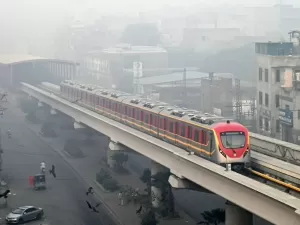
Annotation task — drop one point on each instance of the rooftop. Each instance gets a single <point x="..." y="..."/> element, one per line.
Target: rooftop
<point x="8" y="59"/>
<point x="178" y="76"/>
<point x="128" y="49"/>
<point x="17" y="58"/>
<point x="193" y="79"/>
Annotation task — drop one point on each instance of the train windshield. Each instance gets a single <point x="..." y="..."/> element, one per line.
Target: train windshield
<point x="233" y="139"/>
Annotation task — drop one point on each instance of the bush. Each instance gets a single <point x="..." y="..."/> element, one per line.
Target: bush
<point x="102" y="175"/>
<point x="110" y="184"/>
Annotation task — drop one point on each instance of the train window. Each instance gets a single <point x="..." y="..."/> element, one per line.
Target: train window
<point x="103" y="103"/>
<point x="155" y="121"/>
<point x="133" y="113"/>
<point x="129" y="111"/>
<point x="116" y="107"/>
<point x="190" y="134"/>
<point x="176" y="128"/>
<point x="182" y="131"/>
<point x="146" y="118"/>
<point x="125" y="110"/>
<point x="98" y="100"/>
<point x="137" y="115"/>
<point x="165" y="124"/>
<point x="196" y="136"/>
<point x="151" y="119"/>
<point x="203" y="141"/>
<point x="142" y="115"/>
<point x="171" y="128"/>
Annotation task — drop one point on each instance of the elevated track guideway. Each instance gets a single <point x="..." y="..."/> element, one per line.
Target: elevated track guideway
<point x="265" y="167"/>
<point x="259" y="143"/>
<point x="271" y="204"/>
<point x="275" y="148"/>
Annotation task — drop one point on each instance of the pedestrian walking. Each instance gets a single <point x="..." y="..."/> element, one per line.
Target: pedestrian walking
<point x="121" y="198"/>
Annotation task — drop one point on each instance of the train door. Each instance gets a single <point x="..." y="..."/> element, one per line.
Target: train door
<point x="189" y="136"/>
<point x="211" y="144"/>
<point x="176" y="131"/>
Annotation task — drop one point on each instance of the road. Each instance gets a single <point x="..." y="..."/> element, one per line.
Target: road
<point x="64" y="199"/>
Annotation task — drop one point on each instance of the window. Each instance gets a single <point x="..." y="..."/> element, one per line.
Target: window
<point x="266" y="75"/>
<point x="190" y="135"/>
<point x="233" y="140"/>
<point x="278" y="124"/>
<point x="260" y="71"/>
<point x="182" y="131"/>
<point x="260" y="122"/>
<point x="146" y="118"/>
<point x="171" y="127"/>
<point x="267" y="124"/>
<point x="176" y="128"/>
<point x="203" y="137"/>
<point x="196" y="136"/>
<point x="260" y="98"/>
<point x="277" y="101"/>
<point x="266" y="99"/>
<point x="277" y="76"/>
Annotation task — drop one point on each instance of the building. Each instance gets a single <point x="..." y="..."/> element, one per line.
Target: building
<point x="278" y="93"/>
<point x="107" y="66"/>
<point x="198" y="90"/>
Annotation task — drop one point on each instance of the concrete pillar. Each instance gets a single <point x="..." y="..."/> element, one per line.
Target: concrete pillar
<point x="235" y="215"/>
<point x="53" y="111"/>
<point x="78" y="125"/>
<point x="40" y="104"/>
<point x="113" y="148"/>
<point x="156" y="193"/>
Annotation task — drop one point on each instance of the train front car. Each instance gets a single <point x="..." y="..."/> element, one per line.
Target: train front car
<point x="233" y="144"/>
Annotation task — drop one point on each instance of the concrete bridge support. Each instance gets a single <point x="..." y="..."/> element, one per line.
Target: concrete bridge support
<point x="156" y="192"/>
<point x="113" y="148"/>
<point x="78" y="125"/>
<point x="235" y="215"/>
<point x="40" y="104"/>
<point x="53" y="112"/>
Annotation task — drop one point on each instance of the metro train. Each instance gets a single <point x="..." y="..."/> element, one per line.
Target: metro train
<point x="215" y="138"/>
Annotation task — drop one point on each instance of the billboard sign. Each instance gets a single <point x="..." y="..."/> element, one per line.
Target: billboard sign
<point x="137" y="69"/>
<point x="286" y="117"/>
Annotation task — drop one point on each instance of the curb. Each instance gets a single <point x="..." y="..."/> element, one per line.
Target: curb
<point x="108" y="208"/>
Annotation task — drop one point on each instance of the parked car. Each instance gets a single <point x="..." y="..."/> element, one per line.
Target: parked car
<point x="24" y="214"/>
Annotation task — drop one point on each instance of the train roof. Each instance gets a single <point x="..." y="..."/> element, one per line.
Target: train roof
<point x="184" y="114"/>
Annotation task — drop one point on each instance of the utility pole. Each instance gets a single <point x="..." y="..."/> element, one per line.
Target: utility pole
<point x="2" y="109"/>
<point x="184" y="94"/>
<point x="238" y="104"/>
<point x="212" y="100"/>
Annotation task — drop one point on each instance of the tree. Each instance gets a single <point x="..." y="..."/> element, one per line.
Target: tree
<point x="146" y="178"/>
<point x="149" y="218"/>
<point x="214" y="217"/>
<point x="161" y="181"/>
<point x="120" y="159"/>
<point x="141" y="34"/>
